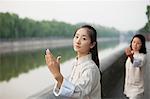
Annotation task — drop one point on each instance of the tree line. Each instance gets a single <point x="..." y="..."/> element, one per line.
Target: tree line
<point x="146" y="28"/>
<point x="13" y="27"/>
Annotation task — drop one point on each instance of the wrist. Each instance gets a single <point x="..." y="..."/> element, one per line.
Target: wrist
<point x="59" y="79"/>
<point x="131" y="57"/>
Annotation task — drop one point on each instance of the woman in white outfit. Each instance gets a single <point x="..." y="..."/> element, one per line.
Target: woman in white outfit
<point x="84" y="82"/>
<point x="134" y="80"/>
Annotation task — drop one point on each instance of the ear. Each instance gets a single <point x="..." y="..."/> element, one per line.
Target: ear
<point x="92" y="45"/>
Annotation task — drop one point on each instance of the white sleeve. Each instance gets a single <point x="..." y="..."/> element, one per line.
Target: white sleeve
<point x="139" y="61"/>
<point x="66" y="89"/>
<point x="82" y="88"/>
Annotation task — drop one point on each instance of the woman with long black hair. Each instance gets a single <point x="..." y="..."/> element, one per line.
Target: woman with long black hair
<point x="84" y="81"/>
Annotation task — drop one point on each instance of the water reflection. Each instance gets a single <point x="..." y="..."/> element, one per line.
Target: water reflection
<point x="108" y="44"/>
<point x="13" y="64"/>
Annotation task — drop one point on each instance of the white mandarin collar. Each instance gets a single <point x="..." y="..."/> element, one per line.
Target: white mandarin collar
<point x="83" y="59"/>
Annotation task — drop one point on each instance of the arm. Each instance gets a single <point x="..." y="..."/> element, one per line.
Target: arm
<point x="83" y="87"/>
<point x="139" y="60"/>
<point x="54" y="67"/>
<point x="129" y="53"/>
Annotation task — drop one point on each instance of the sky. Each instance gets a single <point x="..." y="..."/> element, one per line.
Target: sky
<point x="123" y="15"/>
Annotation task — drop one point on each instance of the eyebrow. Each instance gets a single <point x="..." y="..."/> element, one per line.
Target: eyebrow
<point x="84" y="35"/>
<point x="81" y="35"/>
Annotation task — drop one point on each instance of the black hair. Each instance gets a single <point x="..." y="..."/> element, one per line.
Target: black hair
<point x="93" y="35"/>
<point x="143" y="46"/>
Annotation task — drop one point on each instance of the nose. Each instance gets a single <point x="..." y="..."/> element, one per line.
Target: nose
<point x="135" y="44"/>
<point x="78" y="41"/>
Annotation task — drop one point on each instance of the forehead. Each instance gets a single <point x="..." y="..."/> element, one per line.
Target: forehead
<point x="136" y="39"/>
<point x="82" y="31"/>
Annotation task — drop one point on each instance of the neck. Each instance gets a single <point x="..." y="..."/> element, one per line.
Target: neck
<point x="81" y="54"/>
<point x="136" y="51"/>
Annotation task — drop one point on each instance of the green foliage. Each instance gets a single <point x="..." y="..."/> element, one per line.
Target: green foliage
<point x="146" y="28"/>
<point x="107" y="32"/>
<point x="13" y="64"/>
<point x="12" y="27"/>
<point x="8" y="25"/>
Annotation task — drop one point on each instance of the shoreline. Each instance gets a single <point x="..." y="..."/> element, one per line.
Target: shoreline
<point x="38" y="43"/>
<point x="32" y="44"/>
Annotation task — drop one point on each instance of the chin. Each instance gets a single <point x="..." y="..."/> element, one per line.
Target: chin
<point x="75" y="49"/>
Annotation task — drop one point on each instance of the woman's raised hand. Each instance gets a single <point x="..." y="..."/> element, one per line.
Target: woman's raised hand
<point x="53" y="63"/>
<point x="129" y="53"/>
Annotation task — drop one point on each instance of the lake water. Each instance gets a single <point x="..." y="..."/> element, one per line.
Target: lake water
<point x="23" y="74"/>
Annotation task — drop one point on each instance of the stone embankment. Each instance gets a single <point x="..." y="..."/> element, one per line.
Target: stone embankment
<point x="32" y="44"/>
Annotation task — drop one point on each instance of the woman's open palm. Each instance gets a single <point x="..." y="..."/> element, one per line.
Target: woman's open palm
<point x="53" y="63"/>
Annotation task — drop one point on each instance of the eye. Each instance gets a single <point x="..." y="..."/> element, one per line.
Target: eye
<point x="139" y="43"/>
<point x="134" y="42"/>
<point x="76" y="36"/>
<point x="84" y="38"/>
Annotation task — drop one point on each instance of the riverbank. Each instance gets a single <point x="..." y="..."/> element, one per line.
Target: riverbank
<point x="32" y="44"/>
<point x="38" y="43"/>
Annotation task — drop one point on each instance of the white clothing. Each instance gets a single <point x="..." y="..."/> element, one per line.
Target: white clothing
<point x="140" y="96"/>
<point x="84" y="82"/>
<point x="134" y="80"/>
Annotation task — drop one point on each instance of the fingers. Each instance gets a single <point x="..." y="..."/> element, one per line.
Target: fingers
<point x="49" y="53"/>
<point x="48" y="57"/>
<point x="128" y="51"/>
<point x="58" y="59"/>
<point x="132" y="52"/>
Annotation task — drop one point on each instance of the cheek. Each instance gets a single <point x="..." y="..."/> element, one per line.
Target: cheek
<point x="139" y="47"/>
<point x="87" y="45"/>
<point x="73" y="41"/>
<point x="133" y="44"/>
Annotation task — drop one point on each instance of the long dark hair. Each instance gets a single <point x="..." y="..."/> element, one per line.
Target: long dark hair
<point x="143" y="47"/>
<point x="93" y="35"/>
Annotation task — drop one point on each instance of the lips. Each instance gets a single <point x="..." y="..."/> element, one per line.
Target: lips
<point x="77" y="46"/>
<point x="135" y="48"/>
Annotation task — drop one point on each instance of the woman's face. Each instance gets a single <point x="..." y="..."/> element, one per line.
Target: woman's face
<point x="136" y="44"/>
<point x="82" y="42"/>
